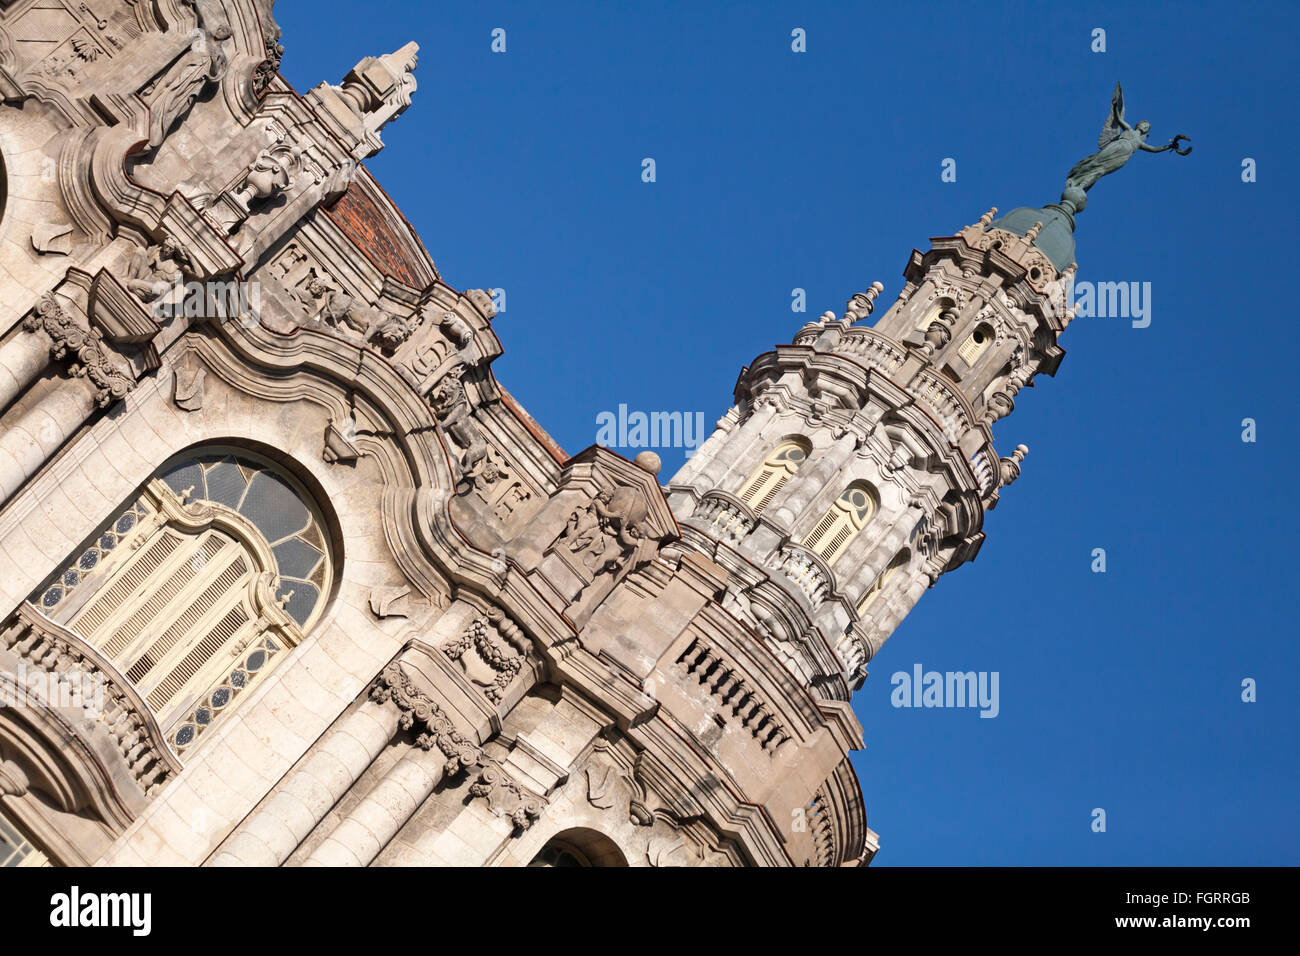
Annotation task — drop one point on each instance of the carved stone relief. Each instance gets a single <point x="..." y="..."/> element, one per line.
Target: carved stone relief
<point x="452" y="409"/>
<point x="484" y="658"/>
<point x="88" y="356"/>
<point x="605" y="538"/>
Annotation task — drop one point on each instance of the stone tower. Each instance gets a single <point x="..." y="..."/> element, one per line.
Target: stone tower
<point x="335" y="596"/>
<point x="857" y="464"/>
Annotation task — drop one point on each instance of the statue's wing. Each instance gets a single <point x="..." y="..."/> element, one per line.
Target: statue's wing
<point x="1115" y="120"/>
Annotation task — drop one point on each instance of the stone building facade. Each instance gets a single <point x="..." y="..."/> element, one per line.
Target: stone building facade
<point x="301" y="582"/>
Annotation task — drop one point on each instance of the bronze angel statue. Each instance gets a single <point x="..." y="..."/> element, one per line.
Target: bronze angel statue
<point x="1118" y="142"/>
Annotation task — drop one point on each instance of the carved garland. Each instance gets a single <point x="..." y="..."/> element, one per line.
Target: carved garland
<point x="479" y="636"/>
<point x="265" y="71"/>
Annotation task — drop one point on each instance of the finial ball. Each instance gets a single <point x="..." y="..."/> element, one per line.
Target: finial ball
<point x="649" y="461"/>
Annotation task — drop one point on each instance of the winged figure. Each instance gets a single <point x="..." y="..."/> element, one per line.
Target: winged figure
<point x="1118" y="142"/>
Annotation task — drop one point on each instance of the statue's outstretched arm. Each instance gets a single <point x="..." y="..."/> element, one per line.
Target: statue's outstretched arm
<point x="1175" y="144"/>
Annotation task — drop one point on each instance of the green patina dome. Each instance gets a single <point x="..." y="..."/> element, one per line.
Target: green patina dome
<point x="1055" y="239"/>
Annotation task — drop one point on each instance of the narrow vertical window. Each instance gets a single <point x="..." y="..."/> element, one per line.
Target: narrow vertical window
<point x="773" y="473"/>
<point x="869" y="596"/>
<point x="842" y="521"/>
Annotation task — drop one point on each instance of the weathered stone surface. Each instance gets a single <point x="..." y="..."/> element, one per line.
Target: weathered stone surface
<point x="513" y="654"/>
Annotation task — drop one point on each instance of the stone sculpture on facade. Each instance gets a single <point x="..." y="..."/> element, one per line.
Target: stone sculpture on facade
<point x="154" y="270"/>
<point x="203" y="63"/>
<point x="452" y="408"/>
<point x="468" y="645"/>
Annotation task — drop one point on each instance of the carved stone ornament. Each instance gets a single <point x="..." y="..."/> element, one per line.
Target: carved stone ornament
<point x="266" y="70"/>
<point x="387" y="601"/>
<point x="393" y="684"/>
<point x="452" y="409"/>
<point x="863" y="303"/>
<point x="598" y="790"/>
<point x="659" y="853"/>
<point x="177" y="89"/>
<point x="606" y="536"/>
<point x="52" y="238"/>
<point x="1009" y="468"/>
<point x="90" y="358"/>
<point x="507" y="798"/>
<point x="189" y="389"/>
<point x="391" y="332"/>
<point x="340" y="446"/>
<point x="480" y="637"/>
<point x="152" y="271"/>
<point x="270" y="174"/>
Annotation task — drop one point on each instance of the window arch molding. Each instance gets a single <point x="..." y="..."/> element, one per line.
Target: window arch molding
<point x="202" y="581"/>
<point x="579" y="847"/>
<point x="777" y="467"/>
<point x="840" y="523"/>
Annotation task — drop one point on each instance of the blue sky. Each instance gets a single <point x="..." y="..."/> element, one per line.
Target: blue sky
<point x="821" y="170"/>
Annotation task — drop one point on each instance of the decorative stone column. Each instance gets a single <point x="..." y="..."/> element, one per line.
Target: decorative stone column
<point x="439" y="750"/>
<point x="22" y="359"/>
<point x="273" y="832"/>
<point x="28" y="438"/>
<point x="874" y="556"/>
<point x="808" y="481"/>
<point x="381" y="813"/>
<point x="40" y="431"/>
<point x="716" y="466"/>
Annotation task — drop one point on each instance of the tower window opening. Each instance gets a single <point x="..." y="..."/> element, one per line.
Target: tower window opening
<point x="830" y="537"/>
<point x="878" y="586"/>
<point x="772" y="475"/>
<point x="976" y="344"/>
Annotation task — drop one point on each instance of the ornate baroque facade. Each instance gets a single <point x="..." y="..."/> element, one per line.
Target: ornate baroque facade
<point x="337" y="598"/>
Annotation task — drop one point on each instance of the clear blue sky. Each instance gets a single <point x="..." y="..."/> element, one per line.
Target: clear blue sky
<point x="821" y="170"/>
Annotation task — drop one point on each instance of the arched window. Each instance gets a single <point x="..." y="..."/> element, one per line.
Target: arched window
<point x="775" y="471"/>
<point x="976" y="343"/>
<point x="199" y="586"/>
<point x="579" y="846"/>
<point x="841" y="522"/>
<point x="559" y="854"/>
<point x="873" y="592"/>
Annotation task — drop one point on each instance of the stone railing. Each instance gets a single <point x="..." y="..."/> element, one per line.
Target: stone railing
<point x="727" y="686"/>
<point x="807" y="572"/>
<point x="851" y="648"/>
<point x="722" y="519"/>
<point x="54" y="650"/>
<point x="872" y="349"/>
<point x="822" y="829"/>
<point x="987" y="470"/>
<point x="954" y="415"/>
